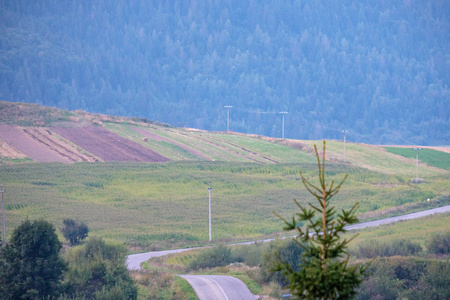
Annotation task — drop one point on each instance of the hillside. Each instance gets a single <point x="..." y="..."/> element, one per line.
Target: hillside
<point x="378" y="70"/>
<point x="44" y="134"/>
<point x="146" y="183"/>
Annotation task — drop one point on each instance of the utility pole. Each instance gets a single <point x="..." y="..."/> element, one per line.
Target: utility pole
<point x="3" y="219"/>
<point x="209" y="190"/>
<point x="282" y="123"/>
<point x="417" y="163"/>
<point x="345" y="154"/>
<point x="228" y="116"/>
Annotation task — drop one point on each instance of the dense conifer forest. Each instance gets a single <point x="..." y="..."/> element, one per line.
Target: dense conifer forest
<point x="379" y="69"/>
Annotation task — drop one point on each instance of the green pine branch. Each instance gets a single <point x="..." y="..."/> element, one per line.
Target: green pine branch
<point x="324" y="272"/>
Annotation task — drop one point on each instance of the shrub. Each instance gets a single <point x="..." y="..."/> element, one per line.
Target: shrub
<point x="213" y="257"/>
<point x="406" y="278"/>
<point x="97" y="269"/>
<point x="439" y="243"/>
<point x="251" y="255"/>
<point x="372" y="248"/>
<point x="288" y="251"/>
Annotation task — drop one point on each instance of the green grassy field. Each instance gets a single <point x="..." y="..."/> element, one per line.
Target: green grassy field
<point x="418" y="230"/>
<point x="213" y="146"/>
<point x="166" y="205"/>
<point x="431" y="157"/>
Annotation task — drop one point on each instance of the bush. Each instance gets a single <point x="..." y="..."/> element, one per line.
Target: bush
<point x="251" y="255"/>
<point x="372" y="248"/>
<point x="286" y="250"/>
<point x="439" y="243"/>
<point x="97" y="269"/>
<point x="406" y="278"/>
<point x="213" y="257"/>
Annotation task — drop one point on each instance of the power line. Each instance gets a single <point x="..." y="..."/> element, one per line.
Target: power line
<point x="209" y="190"/>
<point x="228" y="116"/>
<point x="283" y="113"/>
<point x="3" y="218"/>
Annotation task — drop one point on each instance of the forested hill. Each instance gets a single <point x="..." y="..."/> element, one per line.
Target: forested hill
<point x="379" y="69"/>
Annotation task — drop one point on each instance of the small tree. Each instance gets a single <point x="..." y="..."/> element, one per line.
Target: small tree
<point x="74" y="231"/>
<point x="324" y="271"/>
<point x="30" y="265"/>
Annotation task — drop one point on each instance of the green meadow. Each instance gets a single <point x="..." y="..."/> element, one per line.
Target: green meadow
<point x="431" y="157"/>
<point x="154" y="205"/>
<point x="417" y="230"/>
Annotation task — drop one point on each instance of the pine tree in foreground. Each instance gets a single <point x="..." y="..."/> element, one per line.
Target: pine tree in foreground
<point x="324" y="269"/>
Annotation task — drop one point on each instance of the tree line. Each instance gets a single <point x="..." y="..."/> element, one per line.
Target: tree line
<point x="32" y="267"/>
<point x="378" y="70"/>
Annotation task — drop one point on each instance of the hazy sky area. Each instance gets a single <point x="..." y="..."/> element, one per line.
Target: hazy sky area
<point x="379" y="70"/>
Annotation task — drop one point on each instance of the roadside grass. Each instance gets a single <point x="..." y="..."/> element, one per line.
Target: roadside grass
<point x="162" y="206"/>
<point x="417" y="230"/>
<point x="405" y="209"/>
<point x="183" y="285"/>
<point x="431" y="157"/>
<point x="159" y="284"/>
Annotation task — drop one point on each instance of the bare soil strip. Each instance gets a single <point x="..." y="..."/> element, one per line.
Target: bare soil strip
<point x="9" y="152"/>
<point x="17" y="138"/>
<point x="62" y="147"/>
<point x="158" y="138"/>
<point x="108" y="145"/>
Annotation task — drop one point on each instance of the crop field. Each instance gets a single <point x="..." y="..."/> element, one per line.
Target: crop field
<point x="184" y="144"/>
<point x="431" y="157"/>
<point x="163" y="205"/>
<point x="126" y="196"/>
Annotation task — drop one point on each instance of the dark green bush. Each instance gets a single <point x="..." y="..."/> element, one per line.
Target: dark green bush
<point x="213" y="257"/>
<point x="372" y="249"/>
<point x="97" y="270"/>
<point x="288" y="251"/>
<point x="251" y="255"/>
<point x="439" y="243"/>
<point x="406" y="278"/>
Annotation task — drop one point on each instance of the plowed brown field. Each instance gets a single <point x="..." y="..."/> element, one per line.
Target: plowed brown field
<point x="39" y="144"/>
<point x="108" y="145"/>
